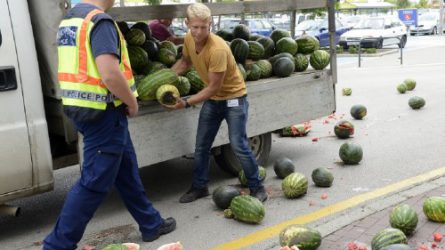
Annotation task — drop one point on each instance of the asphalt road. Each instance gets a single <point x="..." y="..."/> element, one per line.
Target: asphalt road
<point x="397" y="141"/>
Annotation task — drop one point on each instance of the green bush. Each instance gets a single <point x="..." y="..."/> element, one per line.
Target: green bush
<point x="371" y="50"/>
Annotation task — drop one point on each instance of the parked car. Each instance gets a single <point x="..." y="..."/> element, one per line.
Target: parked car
<point x="319" y="30"/>
<point x="376" y="32"/>
<point x="256" y="26"/>
<point x="179" y="31"/>
<point x="351" y="21"/>
<point x="427" y="23"/>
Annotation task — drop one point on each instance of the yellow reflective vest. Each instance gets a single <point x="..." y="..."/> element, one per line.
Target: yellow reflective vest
<point x="79" y="78"/>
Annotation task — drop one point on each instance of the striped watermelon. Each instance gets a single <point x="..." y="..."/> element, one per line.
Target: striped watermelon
<point x="138" y="57"/>
<point x="168" y="45"/>
<point x="196" y="84"/>
<point x="303" y="237"/>
<point x="283" y="67"/>
<point x="149" y="85"/>
<point x="240" y="50"/>
<point x="307" y="44"/>
<point x="228" y="36"/>
<point x="301" y="62"/>
<point x="265" y="68"/>
<point x="253" y="72"/>
<point x="274" y="58"/>
<point x="167" y="57"/>
<point x="319" y="59"/>
<point x="135" y="37"/>
<point x="350" y="153"/>
<point x="277" y="34"/>
<point x="183" y="85"/>
<point x="434" y="208"/>
<point x="322" y="177"/>
<point x="256" y="50"/>
<point x="241" y="31"/>
<point x="404" y="217"/>
<point x="242" y="177"/>
<point x="247" y="209"/>
<point x="268" y="45"/>
<point x="294" y="185"/>
<point x="387" y="237"/>
<point x="144" y="27"/>
<point x="286" y="44"/>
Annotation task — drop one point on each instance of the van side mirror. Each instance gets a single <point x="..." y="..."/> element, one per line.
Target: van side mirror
<point x="322" y="30"/>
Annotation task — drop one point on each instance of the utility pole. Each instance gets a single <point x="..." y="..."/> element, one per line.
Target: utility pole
<point x="441" y="17"/>
<point x="121" y="3"/>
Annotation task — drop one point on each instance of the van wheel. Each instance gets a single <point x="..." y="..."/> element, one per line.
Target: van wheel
<point x="228" y="162"/>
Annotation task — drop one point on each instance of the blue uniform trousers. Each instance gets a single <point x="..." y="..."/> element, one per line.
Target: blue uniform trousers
<point x="109" y="160"/>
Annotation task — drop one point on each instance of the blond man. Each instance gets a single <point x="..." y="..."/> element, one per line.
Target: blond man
<point x="224" y="97"/>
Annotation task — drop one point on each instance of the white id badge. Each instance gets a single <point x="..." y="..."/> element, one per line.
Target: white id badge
<point x="232" y="103"/>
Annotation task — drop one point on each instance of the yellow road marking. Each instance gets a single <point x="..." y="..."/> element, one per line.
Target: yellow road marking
<point x="273" y="231"/>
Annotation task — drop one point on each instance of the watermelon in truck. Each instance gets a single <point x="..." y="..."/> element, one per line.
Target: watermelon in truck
<point x="37" y="139"/>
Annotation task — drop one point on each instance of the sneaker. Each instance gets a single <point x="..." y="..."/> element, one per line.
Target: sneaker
<point x="168" y="226"/>
<point x="194" y="194"/>
<point x="259" y="193"/>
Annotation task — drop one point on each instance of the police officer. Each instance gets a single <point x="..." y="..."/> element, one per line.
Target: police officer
<point x="224" y="97"/>
<point x="98" y="93"/>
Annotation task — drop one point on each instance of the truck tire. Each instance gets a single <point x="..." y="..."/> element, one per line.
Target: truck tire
<point x="227" y="161"/>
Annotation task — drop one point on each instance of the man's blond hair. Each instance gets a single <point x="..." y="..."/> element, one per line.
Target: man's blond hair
<point x="198" y="10"/>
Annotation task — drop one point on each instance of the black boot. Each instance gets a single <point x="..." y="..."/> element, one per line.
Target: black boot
<point x="168" y="226"/>
<point x="194" y="194"/>
<point x="259" y="193"/>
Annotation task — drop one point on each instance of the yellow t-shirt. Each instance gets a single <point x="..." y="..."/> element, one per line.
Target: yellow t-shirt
<point x="216" y="56"/>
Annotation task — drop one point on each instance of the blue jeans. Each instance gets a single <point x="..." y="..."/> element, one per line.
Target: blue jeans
<point x="210" y="118"/>
<point x="109" y="160"/>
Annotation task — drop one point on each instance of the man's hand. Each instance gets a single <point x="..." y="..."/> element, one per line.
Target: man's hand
<point x="180" y="104"/>
<point x="132" y="110"/>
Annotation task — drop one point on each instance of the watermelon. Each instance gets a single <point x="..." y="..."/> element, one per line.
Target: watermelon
<point x="416" y="102"/>
<point x="319" y="59"/>
<point x="144" y="28"/>
<point x="167" y="57"/>
<point x="350" y="153"/>
<point x="277" y="34"/>
<point x="241" y="31"/>
<point x="168" y="45"/>
<point x="387" y="237"/>
<point x="223" y="195"/>
<point x="149" y="85"/>
<point x="268" y="45"/>
<point x="152" y="49"/>
<point x="196" y="84"/>
<point x="322" y="177"/>
<point x="138" y="57"/>
<point x="274" y="58"/>
<point x="294" y="185"/>
<point x="283" y="167"/>
<point x="346" y="91"/>
<point x="434" y="208"/>
<point x="265" y="67"/>
<point x="261" y="173"/>
<point x="135" y="37"/>
<point x="405" y="218"/>
<point x="283" y="67"/>
<point x="401" y="88"/>
<point x="301" y="62"/>
<point x="343" y="129"/>
<point x="123" y="27"/>
<point x="253" y="72"/>
<point x="247" y="209"/>
<point x="256" y="50"/>
<point x="153" y="67"/>
<point x="307" y="44"/>
<point x="358" y="111"/>
<point x="171" y="246"/>
<point x="301" y="129"/>
<point x="240" y="50"/>
<point x="286" y="44"/>
<point x="166" y="94"/>
<point x="123" y="246"/>
<point x="410" y="84"/>
<point x="228" y="36"/>
<point x="305" y="238"/>
<point x="254" y="37"/>
<point x="183" y="85"/>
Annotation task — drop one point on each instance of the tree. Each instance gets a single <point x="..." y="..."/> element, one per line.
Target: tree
<point x="422" y="4"/>
<point x="400" y="4"/>
<point x="153" y="2"/>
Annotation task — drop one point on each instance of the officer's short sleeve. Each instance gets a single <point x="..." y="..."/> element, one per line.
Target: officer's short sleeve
<point x="104" y="39"/>
<point x="218" y="61"/>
